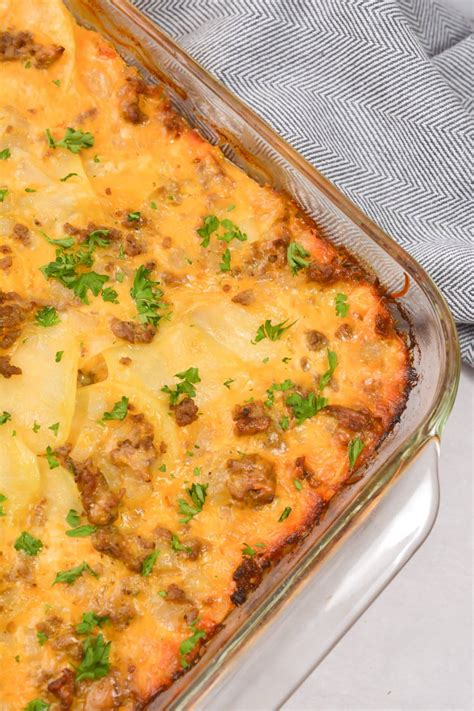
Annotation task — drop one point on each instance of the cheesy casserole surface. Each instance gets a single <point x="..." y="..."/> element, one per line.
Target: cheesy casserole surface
<point x="189" y="372"/>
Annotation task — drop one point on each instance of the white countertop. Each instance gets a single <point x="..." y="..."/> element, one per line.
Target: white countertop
<point x="412" y="649"/>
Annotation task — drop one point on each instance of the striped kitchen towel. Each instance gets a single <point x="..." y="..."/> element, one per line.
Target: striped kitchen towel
<point x="377" y="94"/>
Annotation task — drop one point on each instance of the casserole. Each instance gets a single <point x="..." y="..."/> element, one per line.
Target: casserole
<point x="337" y="226"/>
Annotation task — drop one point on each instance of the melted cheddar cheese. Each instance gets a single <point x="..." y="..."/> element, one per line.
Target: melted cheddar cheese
<point x="187" y="376"/>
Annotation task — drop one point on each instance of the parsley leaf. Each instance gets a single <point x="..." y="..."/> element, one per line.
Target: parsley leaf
<point x="189" y="378"/>
<point x="149" y="563"/>
<point x="118" y="412"/>
<point x="231" y="232"/>
<point x="28" y="543"/>
<point x="147" y="296"/>
<point x="354" y="449"/>
<point x="280" y="387"/>
<point x="81" y="531"/>
<point x="134" y="216"/>
<point x="248" y="550"/>
<point x="342" y="307"/>
<point x="305" y="407"/>
<point x="188" y="645"/>
<point x="332" y="363"/>
<point x="36" y="704"/>
<point x="5" y="417"/>
<point x="73" y="518"/>
<point x="54" y="428"/>
<point x="70" y="576"/>
<point x="65" y="242"/>
<point x="89" y="281"/>
<point x="52" y="461"/>
<point x="58" y="356"/>
<point x="285" y="513"/>
<point x="42" y="638"/>
<point x="47" y="316"/>
<point x="3" y="194"/>
<point x="5" y="154"/>
<point x="224" y="265"/>
<point x="198" y="493"/>
<point x="69" y="175"/>
<point x="110" y="294"/>
<point x="3" y="498"/>
<point x="95" y="659"/>
<point x="210" y="225"/>
<point x="96" y="238"/>
<point x="274" y="333"/>
<point x="227" y="383"/>
<point x="295" y="256"/>
<point x="74" y="140"/>
<point x="89" y="621"/>
<point x="177" y="546"/>
<point x="298" y="484"/>
<point x="284" y="423"/>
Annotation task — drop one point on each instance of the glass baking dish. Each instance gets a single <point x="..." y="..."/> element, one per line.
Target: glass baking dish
<point x="370" y="530"/>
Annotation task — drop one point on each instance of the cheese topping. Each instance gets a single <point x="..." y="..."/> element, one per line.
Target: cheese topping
<point x="189" y="373"/>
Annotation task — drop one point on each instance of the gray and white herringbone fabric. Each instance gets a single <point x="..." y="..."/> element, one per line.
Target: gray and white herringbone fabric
<point x="377" y="94"/>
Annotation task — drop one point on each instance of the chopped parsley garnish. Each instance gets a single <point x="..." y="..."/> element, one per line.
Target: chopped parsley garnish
<point x="153" y="205"/>
<point x="70" y="576"/>
<point x="210" y="225"/>
<point x="189" y="378"/>
<point x="285" y="513"/>
<point x="134" y="216"/>
<point x="42" y="638"/>
<point x="95" y="659"/>
<point x="73" y="518"/>
<point x="58" y="356"/>
<point x="47" y="316"/>
<point x="89" y="621"/>
<point x="36" y="704"/>
<point x="54" y="428"/>
<point x="197" y="471"/>
<point x="64" y="270"/>
<point x="65" y="242"/>
<point x="198" y="493"/>
<point x="177" y="546"/>
<point x="280" y="387"/>
<point x="36" y="427"/>
<point x="228" y="382"/>
<point x="149" y="563"/>
<point x="51" y="459"/>
<point x="57" y="82"/>
<point x="3" y="498"/>
<point x="81" y="531"/>
<point x="118" y="412"/>
<point x="224" y="264"/>
<point x="342" y="307"/>
<point x="69" y="175"/>
<point x="354" y="449"/>
<point x="298" y="484"/>
<point x="110" y="294"/>
<point x="188" y="645"/>
<point x="89" y="281"/>
<point x="248" y="550"/>
<point x="147" y="296"/>
<point x="30" y="190"/>
<point x="332" y="364"/>
<point x="284" y="422"/>
<point x="305" y="407"/>
<point x="274" y="333"/>
<point x="162" y="468"/>
<point x="96" y="159"/>
<point x="75" y="140"/>
<point x="5" y="417"/>
<point x="3" y="194"/>
<point x="120" y="276"/>
<point x="5" y="154"/>
<point x="231" y="232"/>
<point x="28" y="544"/>
<point x="296" y="254"/>
<point x="96" y="239"/>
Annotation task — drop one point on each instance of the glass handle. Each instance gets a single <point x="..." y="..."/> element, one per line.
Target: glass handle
<point x="264" y="674"/>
